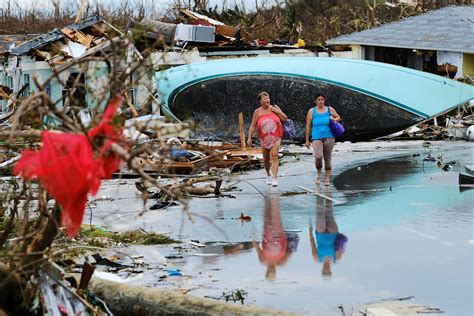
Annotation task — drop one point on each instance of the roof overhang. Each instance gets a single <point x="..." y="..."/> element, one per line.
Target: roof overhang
<point x="418" y="47"/>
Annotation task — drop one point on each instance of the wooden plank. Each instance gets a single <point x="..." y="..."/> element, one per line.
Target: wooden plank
<point x="227" y="164"/>
<point x="89" y="52"/>
<point x="198" y="163"/>
<point x="78" y="37"/>
<point x="321" y="195"/>
<point x="130" y="105"/>
<point x="44" y="55"/>
<point x="248" y="151"/>
<point x="242" y="132"/>
<point x="172" y="168"/>
<point x="79" y="12"/>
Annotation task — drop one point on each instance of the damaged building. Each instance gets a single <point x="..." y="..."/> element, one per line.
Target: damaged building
<point x="200" y="39"/>
<point x="439" y="42"/>
<point x="60" y="51"/>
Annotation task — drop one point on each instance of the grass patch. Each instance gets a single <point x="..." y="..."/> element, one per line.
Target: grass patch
<point x="136" y="237"/>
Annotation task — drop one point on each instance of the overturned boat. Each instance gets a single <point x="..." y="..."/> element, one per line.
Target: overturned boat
<point x="374" y="99"/>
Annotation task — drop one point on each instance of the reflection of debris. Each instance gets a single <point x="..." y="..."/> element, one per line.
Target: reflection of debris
<point x="429" y="158"/>
<point x="445" y="166"/>
<point x="245" y="218"/>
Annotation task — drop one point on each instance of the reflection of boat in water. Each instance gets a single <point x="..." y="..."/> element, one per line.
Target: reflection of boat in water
<point x="466" y="182"/>
<point x="374" y="99"/>
<point x="466" y="179"/>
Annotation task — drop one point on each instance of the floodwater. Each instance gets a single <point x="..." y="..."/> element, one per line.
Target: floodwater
<point x="387" y="228"/>
<point x="407" y="230"/>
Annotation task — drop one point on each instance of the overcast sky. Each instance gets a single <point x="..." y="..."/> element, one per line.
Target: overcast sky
<point x="157" y="4"/>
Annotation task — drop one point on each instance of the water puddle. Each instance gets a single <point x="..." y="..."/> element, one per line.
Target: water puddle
<point x="404" y="230"/>
<point x="394" y="228"/>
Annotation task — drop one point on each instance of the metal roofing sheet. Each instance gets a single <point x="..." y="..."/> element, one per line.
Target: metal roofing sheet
<point x="53" y="36"/>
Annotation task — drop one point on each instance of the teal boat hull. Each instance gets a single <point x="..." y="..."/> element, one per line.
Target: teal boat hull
<point x="374" y="99"/>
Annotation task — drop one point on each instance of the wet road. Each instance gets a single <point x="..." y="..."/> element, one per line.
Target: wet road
<point x="391" y="228"/>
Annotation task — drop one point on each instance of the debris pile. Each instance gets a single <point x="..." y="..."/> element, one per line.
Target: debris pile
<point x="453" y="125"/>
<point x="191" y="156"/>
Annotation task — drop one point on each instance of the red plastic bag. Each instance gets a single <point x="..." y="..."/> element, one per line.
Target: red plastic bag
<point x="68" y="167"/>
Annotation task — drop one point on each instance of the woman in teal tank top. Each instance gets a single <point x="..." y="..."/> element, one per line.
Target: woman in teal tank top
<point x="322" y="139"/>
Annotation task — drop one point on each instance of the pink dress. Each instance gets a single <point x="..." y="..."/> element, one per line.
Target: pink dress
<point x="269" y="129"/>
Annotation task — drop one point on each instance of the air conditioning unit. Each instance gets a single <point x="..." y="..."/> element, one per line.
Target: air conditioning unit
<point x="195" y="33"/>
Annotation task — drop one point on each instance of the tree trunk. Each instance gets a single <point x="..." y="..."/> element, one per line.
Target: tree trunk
<point x="125" y="299"/>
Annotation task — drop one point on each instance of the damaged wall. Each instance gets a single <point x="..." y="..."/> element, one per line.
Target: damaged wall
<point x="59" y="51"/>
<point x="21" y="70"/>
<point x="468" y="65"/>
<point x="455" y="64"/>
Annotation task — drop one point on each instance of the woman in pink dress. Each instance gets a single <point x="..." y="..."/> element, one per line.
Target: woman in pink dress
<point x="267" y="119"/>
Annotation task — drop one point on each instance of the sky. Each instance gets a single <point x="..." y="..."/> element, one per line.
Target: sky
<point x="159" y="4"/>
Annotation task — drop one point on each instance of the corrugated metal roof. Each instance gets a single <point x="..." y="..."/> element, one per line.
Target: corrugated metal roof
<point x="447" y="29"/>
<point x="52" y="36"/>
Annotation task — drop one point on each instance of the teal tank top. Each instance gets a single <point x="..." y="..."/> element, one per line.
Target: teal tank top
<point x="320" y="125"/>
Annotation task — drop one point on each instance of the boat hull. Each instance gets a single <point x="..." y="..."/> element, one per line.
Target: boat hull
<point x="215" y="104"/>
<point x="373" y="99"/>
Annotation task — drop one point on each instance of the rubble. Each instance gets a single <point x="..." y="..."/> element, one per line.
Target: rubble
<point x="188" y="157"/>
<point x="455" y="124"/>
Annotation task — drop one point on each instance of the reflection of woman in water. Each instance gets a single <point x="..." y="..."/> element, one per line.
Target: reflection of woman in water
<point x="329" y="244"/>
<point x="274" y="250"/>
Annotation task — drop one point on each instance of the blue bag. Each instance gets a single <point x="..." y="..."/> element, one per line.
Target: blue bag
<point x="289" y="130"/>
<point x="337" y="128"/>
